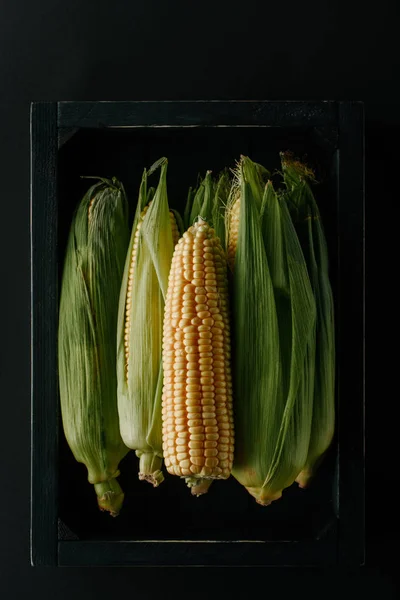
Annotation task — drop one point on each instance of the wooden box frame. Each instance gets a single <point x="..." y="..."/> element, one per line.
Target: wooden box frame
<point x="341" y="122"/>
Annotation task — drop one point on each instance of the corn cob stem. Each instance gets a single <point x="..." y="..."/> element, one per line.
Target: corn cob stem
<point x="110" y="496"/>
<point x="198" y="487"/>
<point x="150" y="468"/>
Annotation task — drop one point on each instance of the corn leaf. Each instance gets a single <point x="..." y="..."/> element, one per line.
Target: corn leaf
<point x="221" y="196"/>
<point x="296" y="314"/>
<point x="91" y="281"/>
<point x="257" y="364"/>
<point x="197" y="204"/>
<point x="312" y="237"/>
<point x="140" y="385"/>
<point x="188" y="207"/>
<point x="208" y="199"/>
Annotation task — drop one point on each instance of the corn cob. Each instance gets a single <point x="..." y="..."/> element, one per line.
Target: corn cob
<point x="139" y="339"/>
<point x="272" y="344"/>
<point x="91" y="281"/>
<point x="309" y="226"/>
<point x="198" y="436"/>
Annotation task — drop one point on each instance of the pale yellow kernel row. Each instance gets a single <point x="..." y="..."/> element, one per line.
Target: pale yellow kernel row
<point x="195" y="342"/>
<point x="132" y="268"/>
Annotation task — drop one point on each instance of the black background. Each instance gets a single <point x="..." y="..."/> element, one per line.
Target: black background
<point x="176" y="50"/>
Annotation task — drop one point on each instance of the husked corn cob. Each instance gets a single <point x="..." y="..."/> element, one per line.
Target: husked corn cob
<point x="198" y="433"/>
<point x="141" y="313"/>
<point x="91" y="281"/>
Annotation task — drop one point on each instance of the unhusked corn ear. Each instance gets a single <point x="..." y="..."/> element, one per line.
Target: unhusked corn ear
<point x="296" y="314"/>
<point x="139" y="340"/>
<point x="198" y="432"/>
<point x="273" y="330"/>
<point x="297" y="177"/>
<point x="92" y="274"/>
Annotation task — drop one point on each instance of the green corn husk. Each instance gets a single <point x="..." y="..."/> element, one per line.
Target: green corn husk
<point x="179" y="221"/>
<point x="200" y="201"/>
<point x="311" y="233"/>
<point x="188" y="207"/>
<point x="150" y="194"/>
<point x="140" y="379"/>
<point x="92" y="274"/>
<point x="274" y="325"/>
<point x="208" y="200"/>
<point x="222" y="188"/>
<point x="197" y="203"/>
<point x="296" y="314"/>
<point x="257" y="176"/>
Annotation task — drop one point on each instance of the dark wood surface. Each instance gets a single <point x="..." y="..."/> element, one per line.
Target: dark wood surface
<point x="197" y="114"/>
<point x="350" y="336"/>
<point x="44" y="311"/>
<point x="215" y="554"/>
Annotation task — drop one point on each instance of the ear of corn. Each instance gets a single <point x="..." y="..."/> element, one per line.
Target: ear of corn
<point x="274" y="318"/>
<point x="139" y="340"/>
<point x="256" y="355"/>
<point x="314" y="245"/>
<point x="198" y="438"/>
<point x="91" y="281"/>
<point x="296" y="314"/>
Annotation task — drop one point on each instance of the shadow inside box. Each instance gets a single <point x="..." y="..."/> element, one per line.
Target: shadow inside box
<point x="170" y="512"/>
<point x="125" y="153"/>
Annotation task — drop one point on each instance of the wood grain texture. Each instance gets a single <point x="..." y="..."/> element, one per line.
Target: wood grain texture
<point x="44" y="310"/>
<point x="196" y="113"/>
<point x="189" y="553"/>
<point x="350" y="343"/>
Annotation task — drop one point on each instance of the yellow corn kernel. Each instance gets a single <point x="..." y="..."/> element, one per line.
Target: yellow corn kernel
<point x="205" y="347"/>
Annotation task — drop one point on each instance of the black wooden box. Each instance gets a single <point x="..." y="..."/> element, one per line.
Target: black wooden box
<point x="167" y="526"/>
